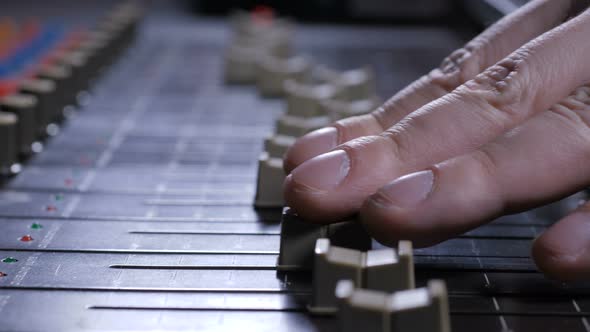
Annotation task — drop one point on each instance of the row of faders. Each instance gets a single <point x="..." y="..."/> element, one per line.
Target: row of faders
<point x="43" y="69"/>
<point x="369" y="290"/>
<point x="261" y="54"/>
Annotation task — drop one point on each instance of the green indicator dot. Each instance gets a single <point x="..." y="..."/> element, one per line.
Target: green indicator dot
<point x="36" y="226"/>
<point x="9" y="260"/>
<point x="59" y="197"/>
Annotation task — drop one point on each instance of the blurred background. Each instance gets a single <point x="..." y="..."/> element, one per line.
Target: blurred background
<point x="383" y="11"/>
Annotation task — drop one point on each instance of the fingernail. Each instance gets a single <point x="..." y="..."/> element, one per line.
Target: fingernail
<point x="324" y="172"/>
<point x="409" y="190"/>
<point x="313" y="144"/>
<point x="324" y="139"/>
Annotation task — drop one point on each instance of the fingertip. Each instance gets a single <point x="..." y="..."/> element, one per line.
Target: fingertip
<point x="553" y="265"/>
<point x="310" y="145"/>
<point x="307" y="202"/>
<point x="562" y="251"/>
<point x="389" y="224"/>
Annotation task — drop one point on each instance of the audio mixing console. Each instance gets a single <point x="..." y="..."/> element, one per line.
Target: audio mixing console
<point x="133" y="209"/>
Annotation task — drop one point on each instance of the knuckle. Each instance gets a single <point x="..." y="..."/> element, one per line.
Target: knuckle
<point x="349" y="128"/>
<point x="575" y="111"/>
<point x="580" y="99"/>
<point x="486" y="164"/>
<point x="457" y="68"/>
<point x="503" y="92"/>
<point x="397" y="142"/>
<point x="381" y="117"/>
<point x="358" y="144"/>
<point x="485" y="171"/>
<point x="505" y="83"/>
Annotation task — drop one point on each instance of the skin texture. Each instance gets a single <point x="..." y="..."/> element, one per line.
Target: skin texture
<point x="501" y="126"/>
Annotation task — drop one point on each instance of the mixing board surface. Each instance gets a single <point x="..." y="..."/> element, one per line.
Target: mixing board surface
<point x="138" y="215"/>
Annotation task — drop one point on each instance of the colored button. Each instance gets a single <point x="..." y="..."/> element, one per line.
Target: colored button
<point x="26" y="238"/>
<point x="36" y="226"/>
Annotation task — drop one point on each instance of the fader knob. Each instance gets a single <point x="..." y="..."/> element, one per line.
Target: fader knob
<point x="389" y="270"/>
<point x="269" y="189"/>
<point x="298" y="240"/>
<point x="421" y="309"/>
<point x="361" y="309"/>
<point x="8" y="149"/>
<point x="45" y="92"/>
<point x="384" y="270"/>
<point x="24" y="107"/>
<point x="77" y="60"/>
<point x="97" y="45"/>
<point x="240" y="65"/>
<point x="65" y="91"/>
<point x="332" y="264"/>
<point x="304" y="100"/>
<point x="295" y="126"/>
<point x="338" y="109"/>
<point x="277" y="32"/>
<point x="276" y="146"/>
<point x="272" y="72"/>
<point x="356" y="84"/>
<point x="94" y="47"/>
<point x="238" y="19"/>
<point x="121" y="24"/>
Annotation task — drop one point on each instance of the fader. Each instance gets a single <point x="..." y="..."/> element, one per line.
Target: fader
<point x="65" y="90"/>
<point x="23" y="106"/>
<point x="272" y="72"/>
<point x="421" y="309"/>
<point x="338" y="109"/>
<point x="304" y="99"/>
<point x="383" y="270"/>
<point x="8" y="152"/>
<point x="298" y="240"/>
<point x="295" y="126"/>
<point x="269" y="192"/>
<point x="256" y="36"/>
<point x="44" y="91"/>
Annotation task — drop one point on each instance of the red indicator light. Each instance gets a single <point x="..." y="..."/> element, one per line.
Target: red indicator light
<point x="68" y="182"/>
<point x="263" y="15"/>
<point x="84" y="160"/>
<point x="2" y="274"/>
<point x="50" y="208"/>
<point x="26" y="238"/>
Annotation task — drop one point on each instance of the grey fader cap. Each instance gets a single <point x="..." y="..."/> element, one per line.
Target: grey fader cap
<point x="388" y="270"/>
<point x="382" y="270"/>
<point x="8" y="148"/>
<point x="272" y="72"/>
<point x="360" y="309"/>
<point x="305" y="100"/>
<point x="298" y="240"/>
<point x="422" y="309"/>
<point x="25" y="108"/>
<point x="356" y="84"/>
<point x="277" y="145"/>
<point x="269" y="186"/>
<point x="332" y="264"/>
<point x="294" y="126"/>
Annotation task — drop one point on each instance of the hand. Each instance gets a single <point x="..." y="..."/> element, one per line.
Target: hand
<point x="502" y="126"/>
